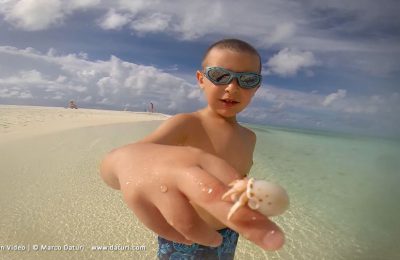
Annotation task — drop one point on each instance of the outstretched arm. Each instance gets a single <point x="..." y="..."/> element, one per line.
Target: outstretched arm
<point x="158" y="188"/>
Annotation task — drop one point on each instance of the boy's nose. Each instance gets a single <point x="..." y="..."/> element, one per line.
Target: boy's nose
<point x="232" y="87"/>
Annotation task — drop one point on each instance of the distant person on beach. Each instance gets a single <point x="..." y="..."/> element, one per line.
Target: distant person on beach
<point x="151" y="107"/>
<point x="174" y="178"/>
<point x="72" y="105"/>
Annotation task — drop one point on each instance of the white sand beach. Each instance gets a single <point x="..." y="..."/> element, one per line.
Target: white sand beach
<point x="18" y="122"/>
<point x="51" y="196"/>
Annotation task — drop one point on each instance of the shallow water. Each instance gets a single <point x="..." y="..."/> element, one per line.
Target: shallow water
<point x="343" y="191"/>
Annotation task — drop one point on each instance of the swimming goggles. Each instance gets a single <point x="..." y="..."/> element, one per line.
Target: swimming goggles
<point x="221" y="76"/>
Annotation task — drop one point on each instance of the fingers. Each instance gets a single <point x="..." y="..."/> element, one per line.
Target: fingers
<point x="180" y="214"/>
<point x="151" y="217"/>
<point x="170" y="215"/>
<point x="251" y="224"/>
<point x="257" y="228"/>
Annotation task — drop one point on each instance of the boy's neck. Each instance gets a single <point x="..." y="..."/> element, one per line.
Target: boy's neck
<point x="208" y="112"/>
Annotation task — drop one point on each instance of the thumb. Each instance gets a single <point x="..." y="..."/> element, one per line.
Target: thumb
<point x="206" y="191"/>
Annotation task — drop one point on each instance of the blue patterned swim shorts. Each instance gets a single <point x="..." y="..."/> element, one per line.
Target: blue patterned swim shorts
<point x="173" y="251"/>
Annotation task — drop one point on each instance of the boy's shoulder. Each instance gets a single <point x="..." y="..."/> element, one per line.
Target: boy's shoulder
<point x="248" y="134"/>
<point x="172" y="131"/>
<point x="184" y="118"/>
<point x="182" y="122"/>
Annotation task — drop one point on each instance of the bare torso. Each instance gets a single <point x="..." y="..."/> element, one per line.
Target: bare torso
<point x="213" y="134"/>
<point x="229" y="141"/>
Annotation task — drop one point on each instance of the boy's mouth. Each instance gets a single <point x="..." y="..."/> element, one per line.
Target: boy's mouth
<point x="229" y="101"/>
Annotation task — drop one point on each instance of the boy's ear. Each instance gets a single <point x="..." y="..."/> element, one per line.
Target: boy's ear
<point x="200" y="78"/>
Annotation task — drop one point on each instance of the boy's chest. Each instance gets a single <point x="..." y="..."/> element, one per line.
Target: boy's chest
<point x="232" y="146"/>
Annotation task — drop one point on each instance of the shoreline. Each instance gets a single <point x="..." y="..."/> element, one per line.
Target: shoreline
<point x="20" y="122"/>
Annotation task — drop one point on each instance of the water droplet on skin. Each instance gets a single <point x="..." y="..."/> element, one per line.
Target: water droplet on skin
<point x="128" y="182"/>
<point x="138" y="182"/>
<point x="163" y="188"/>
<point x="204" y="187"/>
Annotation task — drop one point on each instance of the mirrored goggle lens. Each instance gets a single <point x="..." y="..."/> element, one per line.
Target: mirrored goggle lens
<point x="219" y="76"/>
<point x="249" y="80"/>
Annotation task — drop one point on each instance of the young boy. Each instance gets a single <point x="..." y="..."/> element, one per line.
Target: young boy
<point x="186" y="146"/>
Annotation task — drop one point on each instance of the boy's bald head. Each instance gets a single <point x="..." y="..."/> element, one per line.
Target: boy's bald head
<point x="234" y="45"/>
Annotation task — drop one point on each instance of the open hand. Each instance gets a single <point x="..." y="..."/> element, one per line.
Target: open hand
<point x="160" y="182"/>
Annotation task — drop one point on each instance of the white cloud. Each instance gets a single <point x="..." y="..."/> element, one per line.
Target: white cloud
<point x="35" y="15"/>
<point x="140" y="5"/>
<point x="12" y="93"/>
<point x="283" y="100"/>
<point x="25" y="95"/>
<point x="112" y="82"/>
<point x="155" y="22"/>
<point x="270" y="22"/>
<point x="25" y="77"/>
<point x="374" y="114"/>
<point x="282" y="32"/>
<point x="82" y="4"/>
<point x="114" y="20"/>
<point x="190" y="23"/>
<point x="288" y="62"/>
<point x="341" y="93"/>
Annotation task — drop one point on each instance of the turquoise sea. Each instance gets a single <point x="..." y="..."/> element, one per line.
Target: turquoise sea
<point x="343" y="189"/>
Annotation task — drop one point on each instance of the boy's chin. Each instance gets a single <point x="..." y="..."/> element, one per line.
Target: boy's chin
<point x="227" y="114"/>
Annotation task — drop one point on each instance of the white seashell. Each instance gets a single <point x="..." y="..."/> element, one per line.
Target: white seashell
<point x="268" y="198"/>
<point x="271" y="199"/>
<point x="253" y="203"/>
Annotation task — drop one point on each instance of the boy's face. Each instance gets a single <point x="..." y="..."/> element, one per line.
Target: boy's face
<point x="229" y="99"/>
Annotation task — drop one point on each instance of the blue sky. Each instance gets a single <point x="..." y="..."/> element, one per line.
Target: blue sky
<point x="330" y="65"/>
